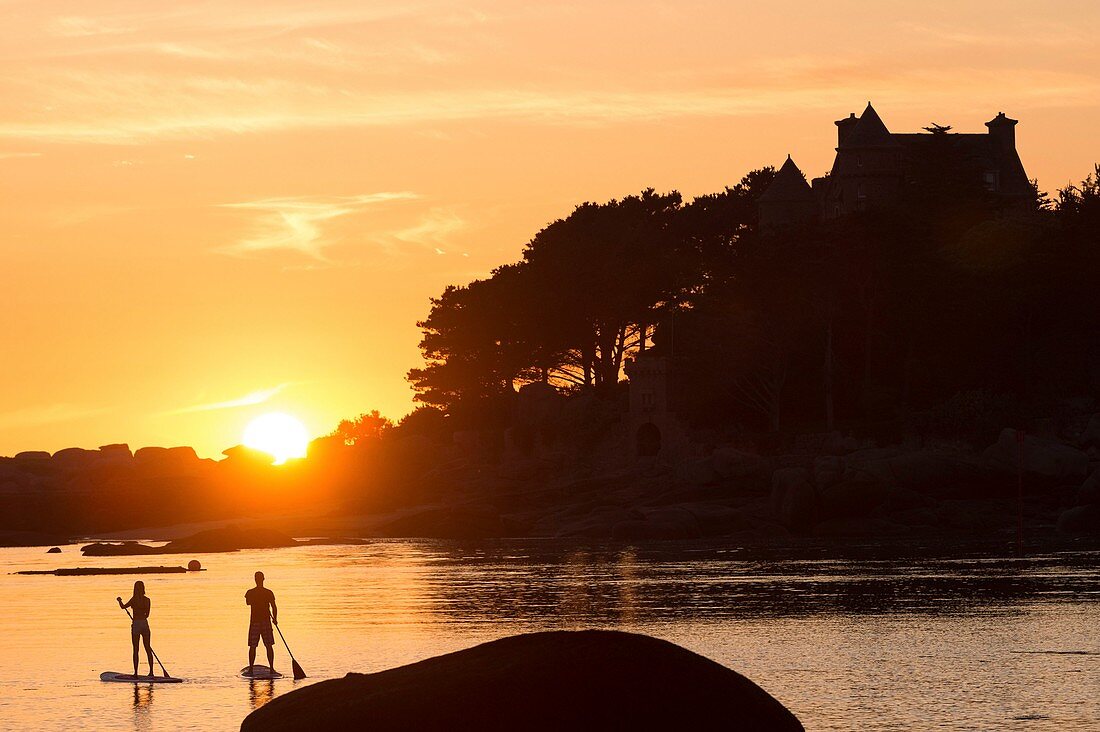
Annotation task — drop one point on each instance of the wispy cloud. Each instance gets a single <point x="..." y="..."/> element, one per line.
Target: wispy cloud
<point x="80" y="26"/>
<point x="248" y="400"/>
<point x="127" y="73"/>
<point x="433" y="231"/>
<point x="203" y="18"/>
<point x="120" y="108"/>
<point x="1025" y="34"/>
<point x="17" y="155"/>
<point x="67" y="214"/>
<point x="47" y="414"/>
<point x="298" y="224"/>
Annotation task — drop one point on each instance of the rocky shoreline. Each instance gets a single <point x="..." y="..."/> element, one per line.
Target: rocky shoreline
<point x="1043" y="489"/>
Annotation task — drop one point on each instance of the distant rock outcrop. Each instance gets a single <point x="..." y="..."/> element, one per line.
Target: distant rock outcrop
<point x="1090" y="437"/>
<point x="923" y="471"/>
<point x="167" y="460"/>
<point x="1085" y="517"/>
<point x="1080" y="520"/>
<point x="1044" y="459"/>
<point x="74" y="457"/>
<point x="591" y="679"/>
<point x="658" y="524"/>
<point x="794" y="499"/>
<point x="118" y="549"/>
<point x="30" y="538"/>
<point x="228" y="539"/>
<point x="116" y="454"/>
<point x="730" y="463"/>
<point x="457" y="523"/>
<point x="1089" y="492"/>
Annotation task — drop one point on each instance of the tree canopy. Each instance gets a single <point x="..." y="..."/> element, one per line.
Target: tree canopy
<point x="866" y="317"/>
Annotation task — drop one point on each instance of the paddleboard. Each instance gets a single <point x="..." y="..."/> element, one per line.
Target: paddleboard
<point x="131" y="679"/>
<point x="259" y="671"/>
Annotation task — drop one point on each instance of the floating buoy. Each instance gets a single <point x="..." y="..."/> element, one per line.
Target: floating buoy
<point x="193" y="566"/>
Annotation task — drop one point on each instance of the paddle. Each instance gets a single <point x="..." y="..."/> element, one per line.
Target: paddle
<point x="166" y="674"/>
<point x="298" y="672"/>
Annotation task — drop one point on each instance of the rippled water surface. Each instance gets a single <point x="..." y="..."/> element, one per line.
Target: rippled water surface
<point x="979" y="642"/>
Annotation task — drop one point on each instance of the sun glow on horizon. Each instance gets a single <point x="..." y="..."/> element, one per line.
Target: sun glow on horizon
<point x="279" y="435"/>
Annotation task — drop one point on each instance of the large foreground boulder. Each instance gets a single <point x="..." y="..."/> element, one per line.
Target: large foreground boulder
<point x="586" y="680"/>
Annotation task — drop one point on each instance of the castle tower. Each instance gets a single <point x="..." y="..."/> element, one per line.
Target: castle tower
<point x="844" y="127"/>
<point x="653" y="429"/>
<point x="868" y="166"/>
<point x="1002" y="130"/>
<point x="1004" y="171"/>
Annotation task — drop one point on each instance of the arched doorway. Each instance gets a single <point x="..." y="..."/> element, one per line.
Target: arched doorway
<point x="648" y="440"/>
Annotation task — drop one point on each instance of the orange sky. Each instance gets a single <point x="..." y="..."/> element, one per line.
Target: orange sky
<point x="210" y="203"/>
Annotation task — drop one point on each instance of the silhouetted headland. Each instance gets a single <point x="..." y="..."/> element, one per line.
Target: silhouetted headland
<point x="905" y="348"/>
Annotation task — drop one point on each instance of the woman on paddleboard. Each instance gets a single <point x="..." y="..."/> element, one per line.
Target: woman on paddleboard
<point x="139" y="626"/>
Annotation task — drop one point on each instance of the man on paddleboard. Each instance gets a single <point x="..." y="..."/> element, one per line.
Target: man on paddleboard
<point x="264" y="613"/>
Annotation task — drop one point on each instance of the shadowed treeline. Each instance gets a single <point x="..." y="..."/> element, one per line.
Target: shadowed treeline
<point x="947" y="315"/>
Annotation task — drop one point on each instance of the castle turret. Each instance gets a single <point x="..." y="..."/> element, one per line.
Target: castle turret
<point x="1002" y="130"/>
<point x="788" y="200"/>
<point x="1004" y="171"/>
<point x="844" y="127"/>
<point x="869" y="131"/>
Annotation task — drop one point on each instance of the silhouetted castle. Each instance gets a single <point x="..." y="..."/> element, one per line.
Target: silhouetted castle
<point x="872" y="166"/>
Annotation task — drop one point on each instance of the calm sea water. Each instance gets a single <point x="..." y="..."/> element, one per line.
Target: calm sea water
<point x="981" y="642"/>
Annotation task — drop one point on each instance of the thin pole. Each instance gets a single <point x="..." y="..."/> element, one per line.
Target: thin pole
<point x="1020" y="494"/>
<point x="295" y="666"/>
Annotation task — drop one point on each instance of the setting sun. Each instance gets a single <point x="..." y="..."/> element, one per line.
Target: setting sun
<point x="277" y="434"/>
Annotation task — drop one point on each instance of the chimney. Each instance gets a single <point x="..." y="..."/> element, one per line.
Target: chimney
<point x="1002" y="130"/>
<point x="843" y="127"/>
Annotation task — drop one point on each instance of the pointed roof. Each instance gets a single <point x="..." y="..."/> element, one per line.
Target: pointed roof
<point x="789" y="184"/>
<point x="869" y="131"/>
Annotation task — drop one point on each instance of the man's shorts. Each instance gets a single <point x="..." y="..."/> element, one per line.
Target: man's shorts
<point x="258" y="628"/>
